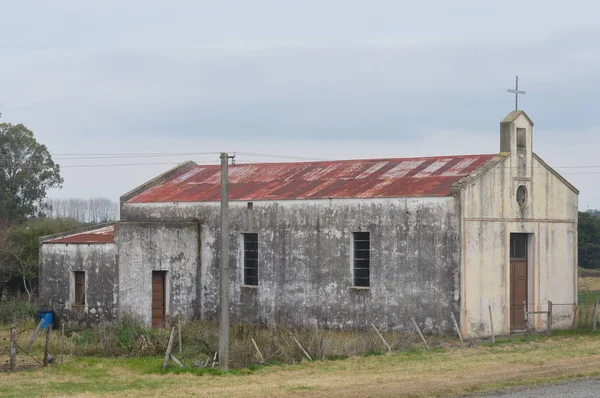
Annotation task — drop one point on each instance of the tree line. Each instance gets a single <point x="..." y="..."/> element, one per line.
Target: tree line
<point x="588" y="232"/>
<point x="94" y="210"/>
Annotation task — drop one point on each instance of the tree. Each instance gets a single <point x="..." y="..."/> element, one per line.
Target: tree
<point x="26" y="173"/>
<point x="589" y="240"/>
<point x="7" y="260"/>
<point x="19" y="250"/>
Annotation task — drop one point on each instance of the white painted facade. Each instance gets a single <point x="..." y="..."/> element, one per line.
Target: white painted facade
<point x="490" y="213"/>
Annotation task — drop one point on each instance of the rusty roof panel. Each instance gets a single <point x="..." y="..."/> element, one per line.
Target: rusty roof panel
<point x="100" y="235"/>
<point x="371" y="178"/>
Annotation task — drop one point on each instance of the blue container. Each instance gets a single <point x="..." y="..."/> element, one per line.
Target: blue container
<point x="47" y="316"/>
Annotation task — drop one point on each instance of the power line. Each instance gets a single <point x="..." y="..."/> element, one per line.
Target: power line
<point x="239" y="163"/>
<point x="148" y="155"/>
<point x="266" y="155"/>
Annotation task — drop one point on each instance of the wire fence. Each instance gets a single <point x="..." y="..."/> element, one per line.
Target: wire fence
<point x="197" y="342"/>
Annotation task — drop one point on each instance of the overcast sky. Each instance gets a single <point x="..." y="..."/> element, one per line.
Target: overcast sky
<point x="319" y="79"/>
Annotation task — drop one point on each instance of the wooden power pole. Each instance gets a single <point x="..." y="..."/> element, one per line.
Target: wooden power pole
<point x="224" y="292"/>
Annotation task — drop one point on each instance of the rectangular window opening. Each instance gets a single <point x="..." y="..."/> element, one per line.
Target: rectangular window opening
<point x="521" y="138"/>
<point x="79" y="288"/>
<point x="250" y="259"/>
<point x="362" y="259"/>
<point x="518" y="246"/>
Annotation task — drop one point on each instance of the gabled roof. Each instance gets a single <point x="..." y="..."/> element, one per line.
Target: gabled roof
<point x="104" y="234"/>
<point x="513" y="115"/>
<point x="372" y="178"/>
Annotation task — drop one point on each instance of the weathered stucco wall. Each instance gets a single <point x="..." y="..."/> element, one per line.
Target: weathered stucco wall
<point x="158" y="246"/>
<point x="305" y="269"/>
<point x="491" y="213"/>
<point x="59" y="261"/>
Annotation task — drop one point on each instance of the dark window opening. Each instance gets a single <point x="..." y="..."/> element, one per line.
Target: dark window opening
<point x="79" y="288"/>
<point x="521" y="138"/>
<point x="362" y="259"/>
<point x="518" y="246"/>
<point x="251" y="259"/>
<point x="250" y="205"/>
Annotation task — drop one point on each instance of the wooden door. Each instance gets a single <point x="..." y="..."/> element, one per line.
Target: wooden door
<point x="518" y="281"/>
<point x="518" y="293"/>
<point x="158" y="299"/>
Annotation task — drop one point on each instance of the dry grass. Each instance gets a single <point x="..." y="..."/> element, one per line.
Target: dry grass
<point x="589" y="283"/>
<point x="409" y="372"/>
<point x="417" y="373"/>
<point x="589" y="292"/>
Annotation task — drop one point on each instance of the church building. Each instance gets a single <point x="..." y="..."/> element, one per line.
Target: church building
<point x="336" y="244"/>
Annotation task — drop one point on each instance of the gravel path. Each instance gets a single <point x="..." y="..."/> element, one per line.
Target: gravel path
<point x="586" y="388"/>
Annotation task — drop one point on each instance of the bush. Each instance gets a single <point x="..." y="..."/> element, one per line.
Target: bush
<point x="127" y="337"/>
<point x="16" y="310"/>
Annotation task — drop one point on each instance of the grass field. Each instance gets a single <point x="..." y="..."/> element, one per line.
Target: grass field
<point x="523" y="360"/>
<point x="589" y="292"/>
<point x="518" y="360"/>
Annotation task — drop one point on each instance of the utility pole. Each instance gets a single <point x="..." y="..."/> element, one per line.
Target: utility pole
<point x="224" y="293"/>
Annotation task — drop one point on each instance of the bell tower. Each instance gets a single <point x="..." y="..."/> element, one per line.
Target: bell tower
<point x="516" y="137"/>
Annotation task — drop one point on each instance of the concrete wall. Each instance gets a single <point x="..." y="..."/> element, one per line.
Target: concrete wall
<point x="490" y="214"/>
<point x="57" y="264"/>
<point x="158" y="246"/>
<point x="305" y="269"/>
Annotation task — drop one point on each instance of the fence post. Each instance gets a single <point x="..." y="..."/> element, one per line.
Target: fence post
<point x="302" y="348"/>
<point x="420" y="334"/>
<point x="595" y="320"/>
<point x="382" y="339"/>
<point x="180" y="345"/>
<point x="169" y="347"/>
<point x="34" y="335"/>
<point x="13" y="349"/>
<point x="550" y="320"/>
<point x="492" y="325"/>
<point x="62" y="344"/>
<point x="457" y="328"/>
<point x="260" y="355"/>
<point x="48" y="330"/>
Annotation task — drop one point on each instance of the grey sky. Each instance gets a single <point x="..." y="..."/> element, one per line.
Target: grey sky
<point x="323" y="79"/>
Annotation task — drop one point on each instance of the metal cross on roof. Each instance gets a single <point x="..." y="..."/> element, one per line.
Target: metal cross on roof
<point x="516" y="92"/>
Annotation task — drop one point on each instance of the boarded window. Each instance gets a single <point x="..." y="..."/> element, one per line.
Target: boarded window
<point x="362" y="259"/>
<point x="251" y="259"/>
<point x="521" y="138"/>
<point x="518" y="246"/>
<point x="79" y="287"/>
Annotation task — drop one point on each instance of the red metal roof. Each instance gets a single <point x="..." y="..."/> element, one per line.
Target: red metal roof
<point x="373" y="178"/>
<point x="100" y="235"/>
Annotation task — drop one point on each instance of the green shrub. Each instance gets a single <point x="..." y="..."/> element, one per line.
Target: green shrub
<point x="16" y="310"/>
<point x="127" y="337"/>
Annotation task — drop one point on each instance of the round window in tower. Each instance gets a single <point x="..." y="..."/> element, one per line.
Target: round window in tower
<point x="522" y="195"/>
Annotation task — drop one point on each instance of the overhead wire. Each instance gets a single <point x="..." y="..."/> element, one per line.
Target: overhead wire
<point x="93" y="156"/>
<point x="65" y="157"/>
